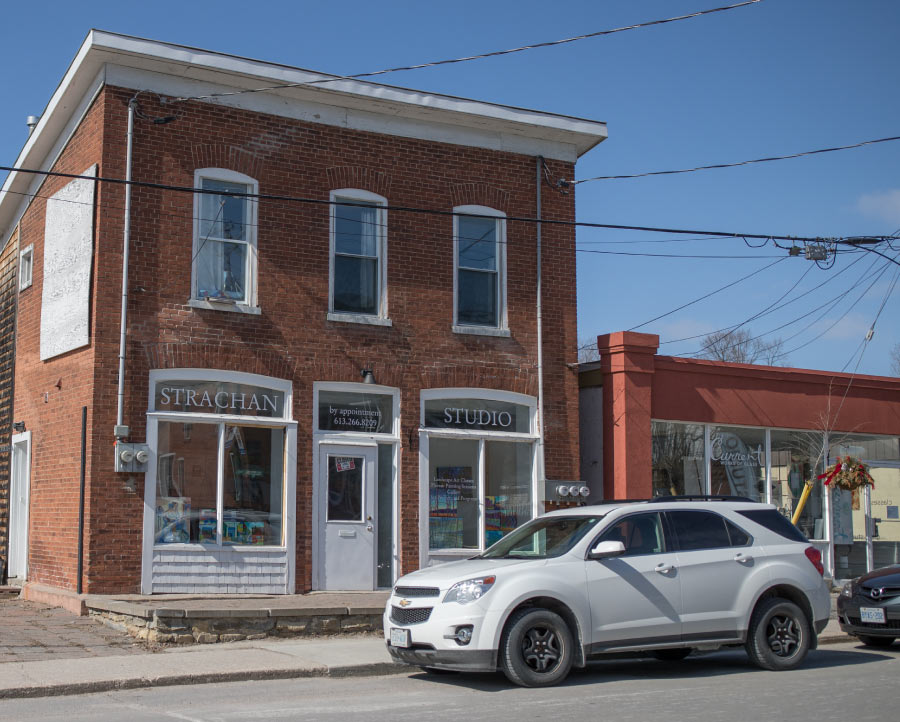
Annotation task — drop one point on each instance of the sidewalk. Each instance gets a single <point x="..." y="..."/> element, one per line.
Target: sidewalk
<point x="109" y="660"/>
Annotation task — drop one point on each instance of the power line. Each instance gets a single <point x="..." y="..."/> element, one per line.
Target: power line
<point x="833" y="302"/>
<point x="668" y="255"/>
<point x="711" y="293"/>
<point x="766" y="312"/>
<point x="735" y="165"/>
<point x="438" y="212"/>
<point x="465" y="59"/>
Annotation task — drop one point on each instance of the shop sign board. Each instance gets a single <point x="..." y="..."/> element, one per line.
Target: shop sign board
<point x="348" y="411"/>
<point x="479" y="414"/>
<point x="218" y="397"/>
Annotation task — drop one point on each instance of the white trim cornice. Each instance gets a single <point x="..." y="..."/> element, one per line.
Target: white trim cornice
<point x="177" y="70"/>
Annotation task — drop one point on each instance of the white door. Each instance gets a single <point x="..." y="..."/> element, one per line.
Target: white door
<point x="348" y="487"/>
<point x="20" y="477"/>
<point x="635" y="598"/>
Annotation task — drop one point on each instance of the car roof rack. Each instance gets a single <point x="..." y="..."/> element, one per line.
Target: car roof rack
<point x="700" y="497"/>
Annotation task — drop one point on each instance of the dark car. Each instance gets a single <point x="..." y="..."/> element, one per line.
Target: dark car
<point x="869" y="607"/>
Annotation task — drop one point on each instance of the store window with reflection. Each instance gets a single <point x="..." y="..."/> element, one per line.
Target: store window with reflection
<point x="678" y="459"/>
<point x="737" y="462"/>
<point x="796" y="460"/>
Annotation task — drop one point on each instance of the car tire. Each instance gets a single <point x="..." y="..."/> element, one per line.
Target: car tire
<point x="778" y="638"/>
<point x="876" y="641"/>
<point x="671" y="655"/>
<point x="537" y="648"/>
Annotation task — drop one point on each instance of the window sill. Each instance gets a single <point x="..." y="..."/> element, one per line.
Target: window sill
<point x="359" y="318"/>
<point x="227" y="307"/>
<point x="483" y="331"/>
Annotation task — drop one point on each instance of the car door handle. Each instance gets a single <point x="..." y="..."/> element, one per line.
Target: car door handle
<point x="665" y="568"/>
<point x="741" y="559"/>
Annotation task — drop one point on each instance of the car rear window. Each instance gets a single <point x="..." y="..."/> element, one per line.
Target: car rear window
<point x="774" y="521"/>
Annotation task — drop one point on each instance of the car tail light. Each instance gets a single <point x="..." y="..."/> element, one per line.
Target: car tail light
<point x="815" y="556"/>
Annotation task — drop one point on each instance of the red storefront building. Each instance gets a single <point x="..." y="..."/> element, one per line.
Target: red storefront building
<point x="655" y="425"/>
<point x="320" y="388"/>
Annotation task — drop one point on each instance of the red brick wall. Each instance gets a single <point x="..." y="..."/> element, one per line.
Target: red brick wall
<point x="291" y="338"/>
<point x="49" y="395"/>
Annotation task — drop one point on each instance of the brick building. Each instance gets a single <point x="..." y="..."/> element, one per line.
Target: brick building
<point x="331" y="389"/>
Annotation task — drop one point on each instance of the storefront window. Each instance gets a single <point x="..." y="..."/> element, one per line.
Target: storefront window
<point x="187" y="484"/>
<point x="453" y="494"/>
<point x="849" y="511"/>
<point x="796" y="459"/>
<point x="480" y="453"/>
<point x="738" y="462"/>
<point x="507" y="488"/>
<point x="678" y="459"/>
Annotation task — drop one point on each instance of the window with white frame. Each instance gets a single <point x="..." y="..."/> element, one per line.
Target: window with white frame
<point x="479" y="467"/>
<point x="358" y="271"/>
<point x="479" y="252"/>
<point x="224" y="253"/>
<point x="221" y="444"/>
<point x="26" y="266"/>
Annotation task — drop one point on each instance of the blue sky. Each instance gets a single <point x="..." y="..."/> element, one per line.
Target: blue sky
<point x="774" y="78"/>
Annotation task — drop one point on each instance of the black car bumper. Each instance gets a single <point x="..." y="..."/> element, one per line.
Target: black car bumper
<point x="849" y="619"/>
<point x="462" y="660"/>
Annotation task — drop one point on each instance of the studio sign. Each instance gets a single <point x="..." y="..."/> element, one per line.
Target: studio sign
<point x="485" y="418"/>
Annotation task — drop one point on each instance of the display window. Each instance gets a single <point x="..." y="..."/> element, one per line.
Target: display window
<point x="478" y="470"/>
<point x="737" y="462"/>
<point x="679" y="463"/>
<point x="220" y="452"/>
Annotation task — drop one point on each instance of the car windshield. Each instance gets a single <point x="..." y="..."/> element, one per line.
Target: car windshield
<point x="543" y="538"/>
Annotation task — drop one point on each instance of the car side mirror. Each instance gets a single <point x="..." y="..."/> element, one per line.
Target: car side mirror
<point x="606" y="550"/>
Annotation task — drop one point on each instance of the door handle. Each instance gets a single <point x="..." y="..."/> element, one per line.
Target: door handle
<point x="741" y="559"/>
<point x="369" y="527"/>
<point x="665" y="568"/>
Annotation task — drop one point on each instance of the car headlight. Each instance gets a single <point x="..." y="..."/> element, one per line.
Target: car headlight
<point x="470" y="590"/>
<point x="847" y="590"/>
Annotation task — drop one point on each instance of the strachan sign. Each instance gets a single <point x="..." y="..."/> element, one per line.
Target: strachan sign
<point x="208" y="397"/>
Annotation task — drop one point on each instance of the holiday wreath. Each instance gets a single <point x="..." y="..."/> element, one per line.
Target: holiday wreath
<point x="848" y="473"/>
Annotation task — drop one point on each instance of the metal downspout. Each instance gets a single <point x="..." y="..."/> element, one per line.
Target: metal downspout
<point x="120" y="430"/>
<point x="542" y="474"/>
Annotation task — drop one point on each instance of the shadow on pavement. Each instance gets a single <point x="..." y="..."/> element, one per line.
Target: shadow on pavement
<point x="709" y="664"/>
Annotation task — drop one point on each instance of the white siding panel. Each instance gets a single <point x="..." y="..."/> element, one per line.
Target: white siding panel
<point x="204" y="571"/>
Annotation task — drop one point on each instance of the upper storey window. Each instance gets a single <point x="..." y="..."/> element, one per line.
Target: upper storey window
<point x="480" y="255"/>
<point x="224" y="268"/>
<point x="358" y="253"/>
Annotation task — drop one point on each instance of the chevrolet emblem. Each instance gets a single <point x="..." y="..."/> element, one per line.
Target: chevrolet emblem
<point x="405" y="602"/>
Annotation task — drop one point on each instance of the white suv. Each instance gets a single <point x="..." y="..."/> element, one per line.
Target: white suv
<point x="667" y="575"/>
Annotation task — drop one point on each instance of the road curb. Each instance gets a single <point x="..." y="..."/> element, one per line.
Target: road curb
<point x="111" y="685"/>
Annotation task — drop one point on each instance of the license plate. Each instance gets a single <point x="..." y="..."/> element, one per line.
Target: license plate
<point x="399" y="637"/>
<point x="872" y="615"/>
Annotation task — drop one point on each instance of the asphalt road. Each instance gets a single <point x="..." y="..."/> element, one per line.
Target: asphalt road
<point x="838" y="682"/>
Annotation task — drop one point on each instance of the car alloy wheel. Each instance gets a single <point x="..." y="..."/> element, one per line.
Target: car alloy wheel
<point x="784" y="634"/>
<point x="537" y="649"/>
<point x="778" y="638"/>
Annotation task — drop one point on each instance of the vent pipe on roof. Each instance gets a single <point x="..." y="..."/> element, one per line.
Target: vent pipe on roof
<point x="31" y="121"/>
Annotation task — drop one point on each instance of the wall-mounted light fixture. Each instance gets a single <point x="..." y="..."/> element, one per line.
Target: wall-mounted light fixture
<point x="368" y="376"/>
<point x="18" y="426"/>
